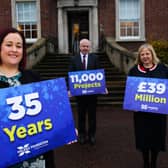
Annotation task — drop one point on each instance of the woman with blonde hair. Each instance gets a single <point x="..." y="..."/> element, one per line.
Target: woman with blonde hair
<point x="150" y="128"/>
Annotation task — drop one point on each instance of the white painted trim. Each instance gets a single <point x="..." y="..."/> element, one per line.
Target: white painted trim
<point x="68" y="5"/>
<point x="63" y="27"/>
<point x="13" y="9"/>
<point x="71" y="3"/>
<point x="142" y="23"/>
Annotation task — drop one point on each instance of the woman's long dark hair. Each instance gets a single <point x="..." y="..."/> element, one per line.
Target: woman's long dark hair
<point x="4" y="33"/>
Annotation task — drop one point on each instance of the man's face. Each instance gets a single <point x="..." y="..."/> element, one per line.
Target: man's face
<point x="85" y="47"/>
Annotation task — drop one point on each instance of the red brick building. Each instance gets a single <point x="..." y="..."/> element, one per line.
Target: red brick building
<point x="129" y="22"/>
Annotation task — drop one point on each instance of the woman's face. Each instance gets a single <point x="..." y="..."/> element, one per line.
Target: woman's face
<point x="146" y="57"/>
<point x="11" y="50"/>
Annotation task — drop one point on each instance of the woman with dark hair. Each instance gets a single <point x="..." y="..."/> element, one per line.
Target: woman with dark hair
<point x="150" y="128"/>
<point x="13" y="73"/>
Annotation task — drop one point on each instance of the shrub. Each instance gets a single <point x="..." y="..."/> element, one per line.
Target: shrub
<point x="161" y="48"/>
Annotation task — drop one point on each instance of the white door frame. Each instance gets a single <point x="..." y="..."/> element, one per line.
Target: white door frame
<point x="63" y="27"/>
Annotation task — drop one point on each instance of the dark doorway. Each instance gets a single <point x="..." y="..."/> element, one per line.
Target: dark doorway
<point x="78" y="28"/>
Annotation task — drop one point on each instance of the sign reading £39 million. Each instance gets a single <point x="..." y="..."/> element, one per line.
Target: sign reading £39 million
<point x="146" y="94"/>
<point x="87" y="82"/>
<point x="34" y="118"/>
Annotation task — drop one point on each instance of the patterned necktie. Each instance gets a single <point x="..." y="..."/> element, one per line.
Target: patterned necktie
<point x="84" y="62"/>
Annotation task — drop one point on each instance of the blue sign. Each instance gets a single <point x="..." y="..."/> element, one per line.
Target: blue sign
<point x="34" y="118"/>
<point x="87" y="82"/>
<point x="146" y="94"/>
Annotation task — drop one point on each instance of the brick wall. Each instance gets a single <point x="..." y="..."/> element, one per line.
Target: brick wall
<point x="5" y="14"/>
<point x="156" y="19"/>
<point x="156" y="14"/>
<point x="106" y="16"/>
<point x="156" y="24"/>
<point x="49" y="18"/>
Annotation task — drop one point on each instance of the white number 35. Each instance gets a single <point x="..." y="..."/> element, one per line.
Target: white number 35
<point x="18" y="108"/>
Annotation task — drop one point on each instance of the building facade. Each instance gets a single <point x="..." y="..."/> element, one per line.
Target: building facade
<point x="129" y="22"/>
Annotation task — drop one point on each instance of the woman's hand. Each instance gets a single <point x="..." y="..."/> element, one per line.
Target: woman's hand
<point x="69" y="93"/>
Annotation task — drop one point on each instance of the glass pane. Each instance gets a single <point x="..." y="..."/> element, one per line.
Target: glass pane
<point x="27" y="27"/>
<point x="20" y="27"/>
<point x="129" y="17"/>
<point x="27" y="34"/>
<point x="136" y="24"/>
<point x="129" y="31"/>
<point x="129" y="9"/>
<point x="34" y="34"/>
<point x="136" y="32"/>
<point x="26" y="12"/>
<point x="128" y="28"/>
<point x="123" y="32"/>
<point x="34" y="27"/>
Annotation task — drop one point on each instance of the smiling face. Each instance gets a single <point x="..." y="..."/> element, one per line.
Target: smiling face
<point x="146" y="57"/>
<point x="85" y="46"/>
<point x="11" y="50"/>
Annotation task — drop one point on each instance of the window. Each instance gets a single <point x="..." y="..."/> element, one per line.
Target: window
<point x="130" y="20"/>
<point x="26" y="19"/>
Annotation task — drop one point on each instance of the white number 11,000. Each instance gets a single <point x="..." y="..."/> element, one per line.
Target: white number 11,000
<point x="18" y="110"/>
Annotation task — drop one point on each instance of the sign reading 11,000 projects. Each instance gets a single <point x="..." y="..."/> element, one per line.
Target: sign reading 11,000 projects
<point x="87" y="82"/>
<point x="146" y="94"/>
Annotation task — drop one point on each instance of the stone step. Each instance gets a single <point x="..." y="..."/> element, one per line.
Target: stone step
<point x="57" y="65"/>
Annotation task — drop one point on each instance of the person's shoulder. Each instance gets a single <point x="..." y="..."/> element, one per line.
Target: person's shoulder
<point x="31" y="74"/>
<point x="134" y="67"/>
<point x="132" y="70"/>
<point x="74" y="57"/>
<point x="163" y="68"/>
<point x="162" y="65"/>
<point x="4" y="84"/>
<point x="93" y="55"/>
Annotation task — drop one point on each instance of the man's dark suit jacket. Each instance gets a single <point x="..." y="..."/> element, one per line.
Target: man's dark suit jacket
<point x="76" y="63"/>
<point x="86" y="102"/>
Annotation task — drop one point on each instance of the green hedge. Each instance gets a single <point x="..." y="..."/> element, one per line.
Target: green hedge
<point x="161" y="48"/>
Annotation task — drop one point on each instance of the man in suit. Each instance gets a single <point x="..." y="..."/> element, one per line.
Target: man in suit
<point x="86" y="104"/>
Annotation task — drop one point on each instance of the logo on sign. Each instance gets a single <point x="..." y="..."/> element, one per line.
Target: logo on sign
<point x="22" y="150"/>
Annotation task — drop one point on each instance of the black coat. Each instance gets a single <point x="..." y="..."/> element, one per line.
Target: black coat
<point x="150" y="128"/>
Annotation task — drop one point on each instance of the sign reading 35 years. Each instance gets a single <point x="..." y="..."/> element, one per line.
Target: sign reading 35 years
<point x="34" y="118"/>
<point x="87" y="82"/>
<point x="146" y="94"/>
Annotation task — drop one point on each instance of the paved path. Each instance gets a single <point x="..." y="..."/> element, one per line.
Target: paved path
<point x="114" y="147"/>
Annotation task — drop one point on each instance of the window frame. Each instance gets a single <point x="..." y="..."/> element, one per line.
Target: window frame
<point x="141" y="36"/>
<point x="14" y="19"/>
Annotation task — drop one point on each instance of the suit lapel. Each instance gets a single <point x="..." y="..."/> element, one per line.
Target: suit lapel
<point x="89" y="62"/>
<point x="79" y="62"/>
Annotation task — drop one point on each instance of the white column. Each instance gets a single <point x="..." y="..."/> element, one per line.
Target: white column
<point x="60" y="31"/>
<point x="95" y="33"/>
<point x="65" y="32"/>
